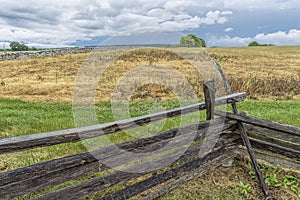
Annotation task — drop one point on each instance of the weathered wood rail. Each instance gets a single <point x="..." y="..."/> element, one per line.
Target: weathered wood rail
<point x="95" y="178"/>
<point x="72" y="135"/>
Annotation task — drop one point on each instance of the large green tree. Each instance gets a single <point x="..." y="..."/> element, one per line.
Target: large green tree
<point x="16" y="46"/>
<point x="192" y="40"/>
<point x="254" y="43"/>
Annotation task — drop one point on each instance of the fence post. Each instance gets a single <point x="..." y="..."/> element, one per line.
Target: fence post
<point x="210" y="97"/>
<point x="246" y="141"/>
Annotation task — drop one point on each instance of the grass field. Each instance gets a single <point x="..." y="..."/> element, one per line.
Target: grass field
<point x="36" y="95"/>
<point x="19" y="117"/>
<point x="267" y="72"/>
<point x="262" y="72"/>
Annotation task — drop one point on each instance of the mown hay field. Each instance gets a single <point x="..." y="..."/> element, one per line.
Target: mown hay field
<point x="262" y="72"/>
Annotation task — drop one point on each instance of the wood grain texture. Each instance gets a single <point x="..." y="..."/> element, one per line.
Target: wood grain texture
<point x="274" y="148"/>
<point x="293" y="130"/>
<point x="209" y="89"/>
<point x="274" y="137"/>
<point x="42" y="175"/>
<point x="272" y="158"/>
<point x="211" y="164"/>
<point x="118" y="177"/>
<point x="153" y="181"/>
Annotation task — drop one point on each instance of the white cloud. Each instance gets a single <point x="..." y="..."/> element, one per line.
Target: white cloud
<point x="4" y="45"/>
<point x="259" y="4"/>
<point x="228" y="41"/>
<point x="228" y="30"/>
<point x="292" y="37"/>
<point x="280" y="38"/>
<point x="59" y="22"/>
<point x="227" y="12"/>
<point x="215" y="17"/>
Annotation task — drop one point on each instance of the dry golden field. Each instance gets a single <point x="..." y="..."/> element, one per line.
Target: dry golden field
<point x="262" y="72"/>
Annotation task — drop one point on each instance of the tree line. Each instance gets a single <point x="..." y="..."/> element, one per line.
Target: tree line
<point x="256" y="44"/>
<point x="16" y="46"/>
<point x="190" y="40"/>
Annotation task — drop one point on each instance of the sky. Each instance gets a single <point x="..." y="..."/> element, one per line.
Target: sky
<point x="61" y="23"/>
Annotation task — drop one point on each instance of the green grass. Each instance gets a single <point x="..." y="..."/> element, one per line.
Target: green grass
<point x="287" y="112"/>
<point x="21" y="118"/>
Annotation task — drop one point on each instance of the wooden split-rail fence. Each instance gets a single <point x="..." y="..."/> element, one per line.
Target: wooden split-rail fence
<point x="94" y="178"/>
